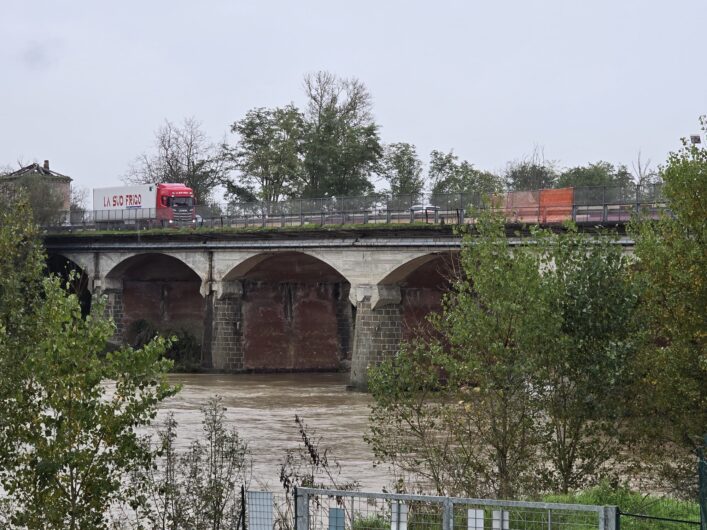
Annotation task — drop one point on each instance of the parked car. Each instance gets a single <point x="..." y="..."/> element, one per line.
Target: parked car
<point x="423" y="208"/>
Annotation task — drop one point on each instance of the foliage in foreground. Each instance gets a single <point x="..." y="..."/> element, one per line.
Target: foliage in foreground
<point x="68" y="414"/>
<point x="517" y="388"/>
<point x="311" y="466"/>
<point x="630" y="501"/>
<point x="672" y="272"/>
<point x="183" y="348"/>
<point x="558" y="363"/>
<point x="200" y="487"/>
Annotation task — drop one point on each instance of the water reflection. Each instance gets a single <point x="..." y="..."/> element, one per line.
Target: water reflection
<point x="262" y="408"/>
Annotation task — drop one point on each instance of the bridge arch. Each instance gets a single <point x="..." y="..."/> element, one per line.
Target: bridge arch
<point x="115" y="265"/>
<point x="293" y="312"/>
<point x="252" y="262"/>
<point x="74" y="276"/>
<point x="156" y="290"/>
<point x="423" y="281"/>
<point x="397" y="308"/>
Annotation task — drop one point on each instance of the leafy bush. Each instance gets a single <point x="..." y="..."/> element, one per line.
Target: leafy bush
<point x="630" y="501"/>
<point x="184" y="349"/>
<point x="197" y="489"/>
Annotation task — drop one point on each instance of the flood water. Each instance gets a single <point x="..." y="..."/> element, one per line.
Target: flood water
<point x="262" y="408"/>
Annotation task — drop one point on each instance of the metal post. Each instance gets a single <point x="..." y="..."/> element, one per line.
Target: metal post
<point x="301" y="511"/>
<point x="448" y="515"/>
<point x="243" y="508"/>
<point x="609" y="518"/>
<point x="702" y="478"/>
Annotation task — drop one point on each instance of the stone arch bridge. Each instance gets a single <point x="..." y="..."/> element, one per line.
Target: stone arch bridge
<point x="271" y="301"/>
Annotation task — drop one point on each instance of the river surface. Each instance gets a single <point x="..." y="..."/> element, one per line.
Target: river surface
<point x="262" y="408"/>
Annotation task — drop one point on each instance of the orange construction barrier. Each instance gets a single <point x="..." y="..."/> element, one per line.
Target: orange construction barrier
<point x="556" y="205"/>
<point x="523" y="206"/>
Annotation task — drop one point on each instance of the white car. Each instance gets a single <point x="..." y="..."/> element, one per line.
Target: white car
<point x="423" y="208"/>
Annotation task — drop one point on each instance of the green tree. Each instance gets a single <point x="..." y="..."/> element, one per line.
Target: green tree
<point x="182" y="155"/>
<point x="198" y="489"/>
<point x="532" y="173"/>
<point x="448" y="175"/>
<point x="342" y="146"/>
<point x="459" y="408"/>
<point x="581" y="380"/>
<point x="596" y="174"/>
<point x="671" y="272"/>
<point x="519" y="388"/>
<point x="269" y="151"/>
<point x="67" y="414"/>
<point x="21" y="266"/>
<point x="402" y="169"/>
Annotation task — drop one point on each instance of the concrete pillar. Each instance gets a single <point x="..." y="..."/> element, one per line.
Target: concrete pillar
<point x="223" y="348"/>
<point x="378" y="329"/>
<point x="344" y="323"/>
<point x="112" y="290"/>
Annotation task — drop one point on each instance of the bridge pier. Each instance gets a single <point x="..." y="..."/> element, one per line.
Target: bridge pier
<point x="114" y="308"/>
<point x="223" y="329"/>
<point x="378" y="329"/>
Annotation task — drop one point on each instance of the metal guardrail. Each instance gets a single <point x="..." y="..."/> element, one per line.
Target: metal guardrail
<point x="595" y="205"/>
<point x="320" y="509"/>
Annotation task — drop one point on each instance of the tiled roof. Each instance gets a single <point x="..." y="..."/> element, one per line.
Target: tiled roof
<point x="34" y="168"/>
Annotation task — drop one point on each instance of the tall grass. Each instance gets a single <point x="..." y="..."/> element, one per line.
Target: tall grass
<point x="631" y="502"/>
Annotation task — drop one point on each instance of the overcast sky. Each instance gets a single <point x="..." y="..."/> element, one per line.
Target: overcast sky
<point x="85" y="83"/>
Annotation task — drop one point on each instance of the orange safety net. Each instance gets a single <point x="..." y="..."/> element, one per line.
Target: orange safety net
<point x="539" y="206"/>
<point x="556" y="205"/>
<point x="522" y="206"/>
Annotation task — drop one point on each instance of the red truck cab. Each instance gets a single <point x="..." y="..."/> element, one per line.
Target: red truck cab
<point x="175" y="204"/>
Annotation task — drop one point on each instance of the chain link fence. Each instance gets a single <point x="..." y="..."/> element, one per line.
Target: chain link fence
<point x="318" y="509"/>
<point x="594" y="205"/>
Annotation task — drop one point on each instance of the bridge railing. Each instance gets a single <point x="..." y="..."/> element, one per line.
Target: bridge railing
<point x="595" y="205"/>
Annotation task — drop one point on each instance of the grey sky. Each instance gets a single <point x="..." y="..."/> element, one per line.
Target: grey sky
<point x="86" y="83"/>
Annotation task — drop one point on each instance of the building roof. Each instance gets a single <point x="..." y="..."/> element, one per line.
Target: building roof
<point x="35" y="169"/>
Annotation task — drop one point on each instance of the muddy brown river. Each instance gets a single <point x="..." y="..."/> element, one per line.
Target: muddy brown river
<point x="262" y="408"/>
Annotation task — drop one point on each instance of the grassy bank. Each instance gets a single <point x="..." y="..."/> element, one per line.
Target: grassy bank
<point x="634" y="503"/>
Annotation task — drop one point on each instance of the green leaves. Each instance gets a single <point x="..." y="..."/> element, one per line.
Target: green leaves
<point x="670" y="273"/>
<point x="269" y="151"/>
<point x="329" y="150"/>
<point x="67" y="414"/>
<point x="518" y="388"/>
<point x="401" y="167"/>
<point x="595" y="174"/>
<point x="448" y="175"/>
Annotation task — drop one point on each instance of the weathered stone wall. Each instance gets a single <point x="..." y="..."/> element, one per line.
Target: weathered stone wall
<point x="172" y="305"/>
<point x="291" y="326"/>
<point x="377" y="337"/>
<point x="417" y="304"/>
<point x="226" y="349"/>
<point x="114" y="310"/>
<point x="345" y="318"/>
